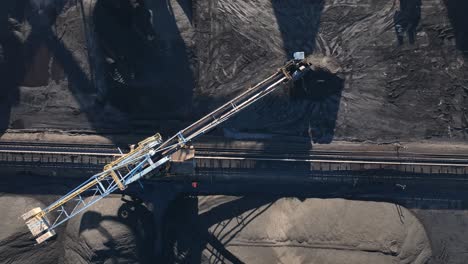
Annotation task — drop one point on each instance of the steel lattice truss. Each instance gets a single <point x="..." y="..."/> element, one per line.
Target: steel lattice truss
<point x="100" y="185"/>
<point x="150" y="154"/>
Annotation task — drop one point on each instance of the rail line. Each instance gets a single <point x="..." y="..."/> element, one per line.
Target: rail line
<point x="243" y="154"/>
<point x="278" y="151"/>
<point x="94" y="156"/>
<point x="56" y="147"/>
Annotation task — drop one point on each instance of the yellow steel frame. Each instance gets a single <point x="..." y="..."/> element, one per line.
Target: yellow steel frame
<point x="110" y="171"/>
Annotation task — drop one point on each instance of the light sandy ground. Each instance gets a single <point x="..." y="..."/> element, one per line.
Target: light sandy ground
<point x="289" y="230"/>
<point x="98" y="235"/>
<point x="249" y="229"/>
<point x="12" y="208"/>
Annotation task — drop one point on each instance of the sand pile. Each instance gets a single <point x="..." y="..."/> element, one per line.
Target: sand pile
<point x="289" y="230"/>
<point x="114" y="231"/>
<point x="222" y="228"/>
<point x="16" y="245"/>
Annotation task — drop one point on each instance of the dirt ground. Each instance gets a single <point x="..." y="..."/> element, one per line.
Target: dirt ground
<point x="75" y="71"/>
<point x="288" y="230"/>
<point x="99" y="235"/>
<point x="213" y="229"/>
<point x="445" y="227"/>
<point x="97" y="66"/>
<point x="253" y="228"/>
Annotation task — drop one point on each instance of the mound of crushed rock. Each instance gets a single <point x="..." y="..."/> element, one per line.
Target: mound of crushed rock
<point x="213" y="229"/>
<point x="289" y="230"/>
<point x="113" y="231"/>
<point x="202" y="52"/>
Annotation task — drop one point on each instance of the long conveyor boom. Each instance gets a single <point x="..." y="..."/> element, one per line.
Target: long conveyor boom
<point x="149" y="155"/>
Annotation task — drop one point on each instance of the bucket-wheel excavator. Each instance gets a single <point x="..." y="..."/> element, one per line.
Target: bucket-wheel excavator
<point x="150" y="155"/>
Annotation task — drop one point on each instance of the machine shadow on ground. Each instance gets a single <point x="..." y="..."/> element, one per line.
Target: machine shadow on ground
<point x="458" y="18"/>
<point x="136" y="217"/>
<point x="320" y="90"/>
<point x="306" y="110"/>
<point x="11" y="55"/>
<point x="298" y="23"/>
<point x="150" y="70"/>
<point x="187" y="7"/>
<point x="149" y="75"/>
<point x="196" y="237"/>
<point x="20" y="47"/>
<point x="185" y="230"/>
<point x="406" y="20"/>
<point x="192" y="236"/>
<point x="147" y="62"/>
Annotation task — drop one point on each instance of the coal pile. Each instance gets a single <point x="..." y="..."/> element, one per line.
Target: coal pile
<point x="165" y="65"/>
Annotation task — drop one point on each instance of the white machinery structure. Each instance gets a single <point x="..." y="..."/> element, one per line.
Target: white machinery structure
<point x="149" y="155"/>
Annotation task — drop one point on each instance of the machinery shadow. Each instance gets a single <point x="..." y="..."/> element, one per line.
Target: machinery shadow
<point x="406" y="20"/>
<point x="147" y="62"/>
<point x="457" y="15"/>
<point x="306" y="109"/>
<point x="187" y="7"/>
<point x="198" y="231"/>
<point x="205" y="241"/>
<point x="136" y="217"/>
<point x="299" y="24"/>
<point x="319" y="92"/>
<point x="11" y="55"/>
<point x="21" y="48"/>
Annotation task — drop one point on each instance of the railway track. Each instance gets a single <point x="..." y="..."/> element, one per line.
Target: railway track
<point x="342" y="155"/>
<point x="58" y="147"/>
<point x="18" y="154"/>
<point x="278" y="152"/>
<point x="270" y="152"/>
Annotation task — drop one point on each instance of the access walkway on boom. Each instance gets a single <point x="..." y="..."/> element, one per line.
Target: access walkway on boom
<point x="150" y="154"/>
